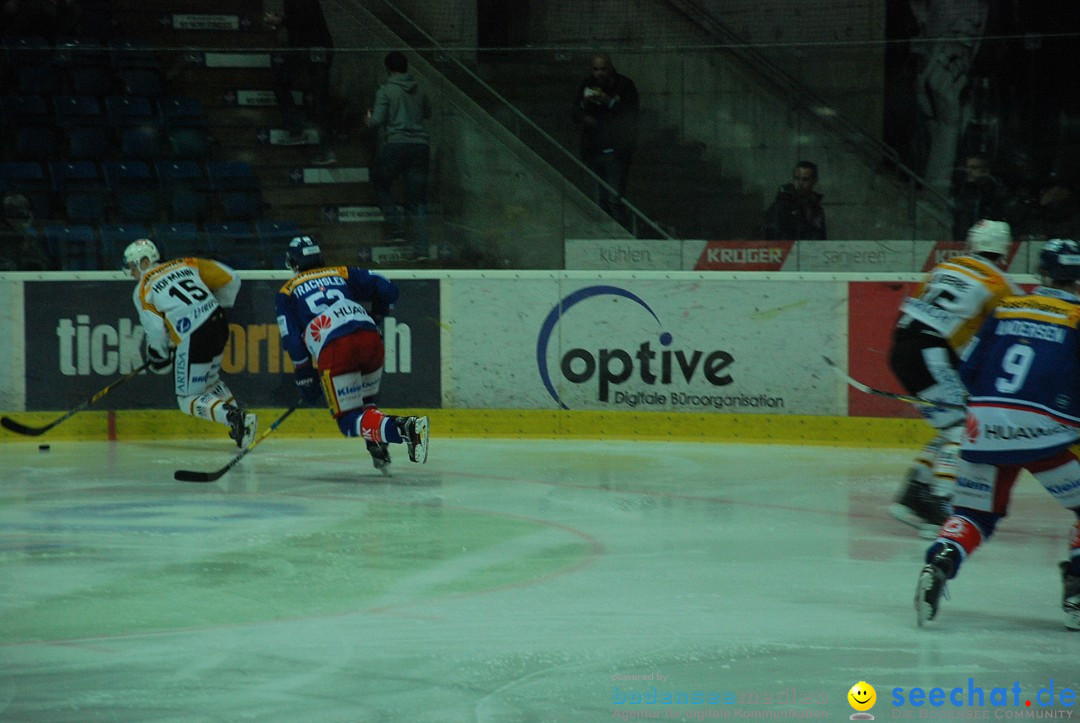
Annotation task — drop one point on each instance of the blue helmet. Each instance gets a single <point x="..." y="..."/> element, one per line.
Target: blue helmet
<point x="1060" y="260"/>
<point x="303" y="253"/>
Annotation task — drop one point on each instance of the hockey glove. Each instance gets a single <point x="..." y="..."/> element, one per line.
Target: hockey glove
<point x="308" y="384"/>
<point x="160" y="361"/>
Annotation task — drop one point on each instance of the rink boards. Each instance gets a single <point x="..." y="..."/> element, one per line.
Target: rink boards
<point x="628" y="354"/>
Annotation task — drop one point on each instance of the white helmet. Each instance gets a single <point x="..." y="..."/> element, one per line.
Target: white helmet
<point x="990" y="237"/>
<point x="140" y="249"/>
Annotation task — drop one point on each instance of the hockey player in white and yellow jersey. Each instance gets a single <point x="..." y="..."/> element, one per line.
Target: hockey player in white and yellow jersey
<point x="934" y="325"/>
<point x="181" y="307"/>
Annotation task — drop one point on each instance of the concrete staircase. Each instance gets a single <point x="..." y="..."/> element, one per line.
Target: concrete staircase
<point x="242" y="116"/>
<point x="671" y="180"/>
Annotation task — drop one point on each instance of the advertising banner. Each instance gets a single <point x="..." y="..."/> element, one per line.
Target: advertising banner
<point x="82" y="334"/>
<point x="873" y="309"/>
<point x="738" y="255"/>
<point x="931" y="253"/>
<point x="847" y="256"/>
<point x="647" y="345"/>
<point x="623" y="254"/>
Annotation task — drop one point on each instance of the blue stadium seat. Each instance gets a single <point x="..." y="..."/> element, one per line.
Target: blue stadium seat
<point x="82" y="51"/>
<point x="127" y="174"/>
<point x="81" y="110"/>
<point x="277" y="234"/>
<point x="92" y="80"/>
<point x="74" y="175"/>
<point x="185" y="188"/>
<point x="39" y="78"/>
<point x="231" y="176"/>
<point x="73" y="246"/>
<point x="82" y="189"/>
<point x="182" y="112"/>
<point x="237" y="245"/>
<point x="237" y="189"/>
<point x="134" y="191"/>
<point x="188" y="143"/>
<point x="142" y="81"/>
<point x="24" y="175"/>
<point x="178" y="239"/>
<point x="18" y="110"/>
<point x="27" y="49"/>
<point x="115" y="237"/>
<point x="30" y="179"/>
<point x="38" y="142"/>
<point x="88" y="143"/>
<point x="142" y="142"/>
<point x="123" y="111"/>
<point x="133" y="54"/>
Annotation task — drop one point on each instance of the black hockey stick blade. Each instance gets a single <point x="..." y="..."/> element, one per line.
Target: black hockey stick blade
<point x="190" y="475"/>
<point x="13" y="426"/>
<point x="891" y="395"/>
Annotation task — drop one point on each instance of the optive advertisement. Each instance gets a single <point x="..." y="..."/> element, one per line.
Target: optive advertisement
<point x="82" y="334"/>
<point x="647" y="345"/>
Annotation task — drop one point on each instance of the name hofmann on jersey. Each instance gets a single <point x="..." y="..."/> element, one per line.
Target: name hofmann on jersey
<point x="171" y="277"/>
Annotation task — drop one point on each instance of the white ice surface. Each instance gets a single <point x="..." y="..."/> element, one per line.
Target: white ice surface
<point x="502" y="581"/>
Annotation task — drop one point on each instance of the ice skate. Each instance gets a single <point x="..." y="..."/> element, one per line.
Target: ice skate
<point x="242" y="426"/>
<point x="416" y="431"/>
<point x="931" y="583"/>
<point x="1070" y="601"/>
<point x="919" y="507"/>
<point x="380" y="457"/>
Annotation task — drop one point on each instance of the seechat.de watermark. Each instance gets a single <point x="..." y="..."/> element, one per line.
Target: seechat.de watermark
<point x="965" y="702"/>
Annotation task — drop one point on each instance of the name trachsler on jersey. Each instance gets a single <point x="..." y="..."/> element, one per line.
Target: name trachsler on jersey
<point x="1031" y="330"/>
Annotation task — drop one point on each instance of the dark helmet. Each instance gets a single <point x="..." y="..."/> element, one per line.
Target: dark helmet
<point x="303" y="253"/>
<point x="1060" y="260"/>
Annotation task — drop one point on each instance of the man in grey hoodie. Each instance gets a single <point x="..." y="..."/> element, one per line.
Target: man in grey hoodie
<point x="400" y="110"/>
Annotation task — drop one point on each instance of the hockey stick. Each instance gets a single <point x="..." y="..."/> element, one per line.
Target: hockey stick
<point x="188" y="475"/>
<point x="10" y="424"/>
<point x="891" y="395"/>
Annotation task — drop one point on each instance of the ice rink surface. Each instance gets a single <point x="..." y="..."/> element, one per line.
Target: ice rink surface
<point x="502" y="581"/>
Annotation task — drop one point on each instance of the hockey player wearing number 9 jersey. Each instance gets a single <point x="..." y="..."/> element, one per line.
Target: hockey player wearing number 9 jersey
<point x="934" y="325"/>
<point x="331" y="337"/>
<point x="181" y="307"/>
<point x="1023" y="372"/>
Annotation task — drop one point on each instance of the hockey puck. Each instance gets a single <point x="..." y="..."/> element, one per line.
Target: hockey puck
<point x="43" y="448"/>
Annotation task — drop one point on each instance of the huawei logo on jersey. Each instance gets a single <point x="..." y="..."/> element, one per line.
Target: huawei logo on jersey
<point x="318" y="325"/>
<point x="971" y="428"/>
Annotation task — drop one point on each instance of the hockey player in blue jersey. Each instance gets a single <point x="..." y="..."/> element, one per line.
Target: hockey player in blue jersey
<point x="331" y="337"/>
<point x="1022" y="371"/>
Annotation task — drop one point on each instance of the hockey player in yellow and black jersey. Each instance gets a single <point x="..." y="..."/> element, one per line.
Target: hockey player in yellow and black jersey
<point x="1023" y="372"/>
<point x="181" y="307"/>
<point x="934" y="325"/>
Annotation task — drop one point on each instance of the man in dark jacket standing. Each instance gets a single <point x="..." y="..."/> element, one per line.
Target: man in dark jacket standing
<point x="305" y="67"/>
<point x="605" y="107"/>
<point x="796" y="214"/>
<point x="400" y="111"/>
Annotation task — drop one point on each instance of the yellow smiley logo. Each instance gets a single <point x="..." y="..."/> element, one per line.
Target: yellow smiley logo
<point x="862" y="696"/>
